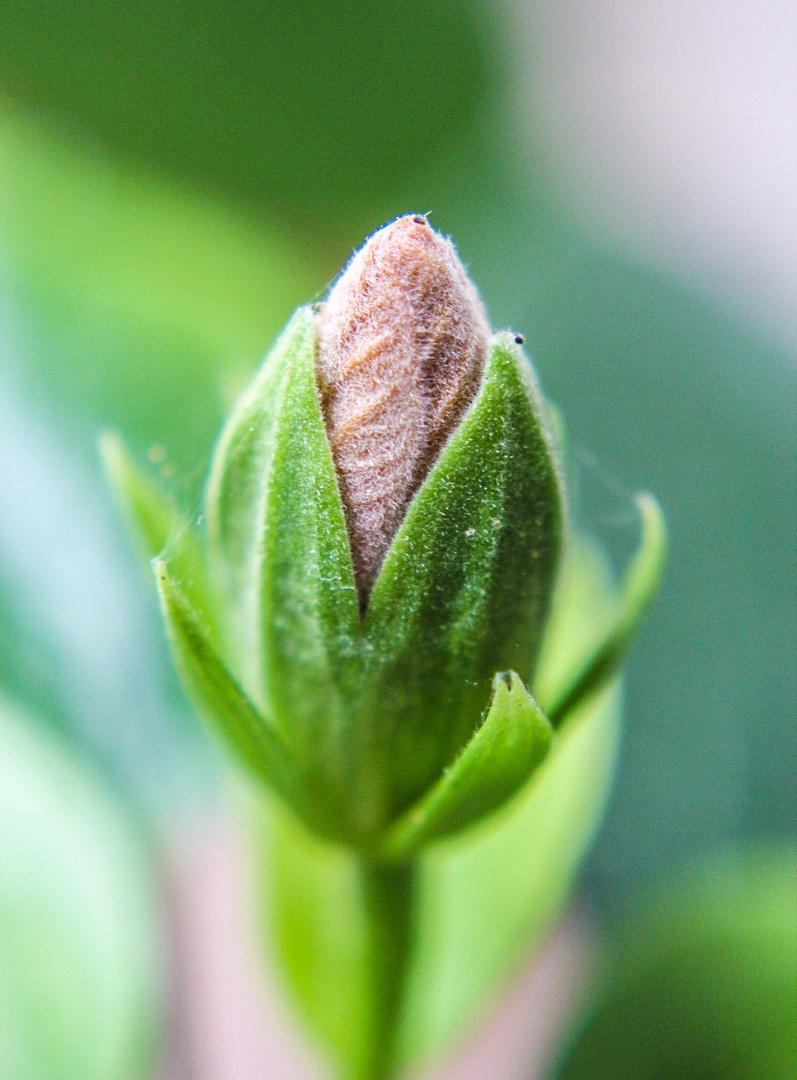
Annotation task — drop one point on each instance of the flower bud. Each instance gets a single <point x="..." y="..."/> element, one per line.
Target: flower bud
<point x="383" y="529"/>
<point x="402" y="342"/>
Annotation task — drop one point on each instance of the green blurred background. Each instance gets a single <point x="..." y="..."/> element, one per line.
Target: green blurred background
<point x="175" y="179"/>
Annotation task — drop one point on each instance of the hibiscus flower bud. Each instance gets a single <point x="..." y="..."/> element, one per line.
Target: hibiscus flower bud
<point x="363" y="609"/>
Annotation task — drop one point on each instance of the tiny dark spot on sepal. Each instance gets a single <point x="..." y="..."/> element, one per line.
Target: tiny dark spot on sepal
<point x="419" y="219"/>
<point x="519" y="339"/>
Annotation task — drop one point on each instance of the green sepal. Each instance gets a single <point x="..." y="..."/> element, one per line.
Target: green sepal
<point x="217" y="696"/>
<point x="156" y="524"/>
<point x="280" y="557"/>
<point x="640" y="585"/>
<point x="466" y="585"/>
<point x="502" y="755"/>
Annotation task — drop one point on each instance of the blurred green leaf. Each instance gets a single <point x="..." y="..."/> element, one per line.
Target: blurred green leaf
<point x="139" y="304"/>
<point x="701" y="980"/>
<point x="502" y="755"/>
<point x="312" y="109"/>
<point x="586" y="581"/>
<point x="80" y="971"/>
<point x="280" y="555"/>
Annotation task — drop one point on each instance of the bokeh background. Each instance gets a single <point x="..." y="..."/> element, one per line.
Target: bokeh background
<point x="621" y="180"/>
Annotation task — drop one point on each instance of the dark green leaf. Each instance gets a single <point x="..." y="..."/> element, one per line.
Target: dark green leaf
<point x="315" y="112"/>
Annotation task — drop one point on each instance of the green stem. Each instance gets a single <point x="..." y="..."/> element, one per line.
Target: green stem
<point x="387" y="890"/>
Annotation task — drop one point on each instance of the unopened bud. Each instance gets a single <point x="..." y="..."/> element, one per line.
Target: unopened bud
<point x="402" y="342"/>
<point x="390" y="454"/>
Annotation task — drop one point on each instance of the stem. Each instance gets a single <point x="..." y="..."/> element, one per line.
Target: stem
<point x="387" y="890"/>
